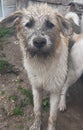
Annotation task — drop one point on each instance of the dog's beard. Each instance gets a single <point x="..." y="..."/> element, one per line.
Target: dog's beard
<point x="44" y="52"/>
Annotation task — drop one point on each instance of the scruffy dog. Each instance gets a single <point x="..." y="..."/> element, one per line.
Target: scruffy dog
<point x="42" y="34"/>
<point x="75" y="69"/>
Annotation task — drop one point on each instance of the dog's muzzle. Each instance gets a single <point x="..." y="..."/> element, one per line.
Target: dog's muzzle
<point x="39" y="42"/>
<point x="40" y="46"/>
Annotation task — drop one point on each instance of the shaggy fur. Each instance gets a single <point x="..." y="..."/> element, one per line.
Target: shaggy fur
<point x="42" y="34"/>
<point x="74" y="71"/>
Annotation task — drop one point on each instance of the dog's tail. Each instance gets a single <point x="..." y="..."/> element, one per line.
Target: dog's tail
<point x="73" y="16"/>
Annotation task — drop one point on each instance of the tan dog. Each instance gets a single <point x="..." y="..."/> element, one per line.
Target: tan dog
<point x="42" y="34"/>
<point x="75" y="59"/>
<point x="75" y="67"/>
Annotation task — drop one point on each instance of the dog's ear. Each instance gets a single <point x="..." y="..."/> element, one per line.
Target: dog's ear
<point x="12" y="19"/>
<point x="64" y="25"/>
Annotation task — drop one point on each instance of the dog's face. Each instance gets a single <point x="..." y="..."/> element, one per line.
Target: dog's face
<point x="40" y="27"/>
<point x="41" y="30"/>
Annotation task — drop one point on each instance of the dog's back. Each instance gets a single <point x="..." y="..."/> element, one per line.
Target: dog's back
<point x="77" y="53"/>
<point x="75" y="69"/>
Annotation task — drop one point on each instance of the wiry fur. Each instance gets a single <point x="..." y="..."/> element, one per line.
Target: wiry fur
<point x="47" y="73"/>
<point x="46" y="67"/>
<point x="75" y="61"/>
<point x="40" y="77"/>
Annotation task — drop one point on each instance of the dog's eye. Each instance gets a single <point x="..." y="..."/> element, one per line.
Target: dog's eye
<point x="49" y="24"/>
<point x="30" y="24"/>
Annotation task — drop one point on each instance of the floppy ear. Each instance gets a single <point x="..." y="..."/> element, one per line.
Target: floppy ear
<point x="75" y="27"/>
<point x="65" y="26"/>
<point x="12" y="19"/>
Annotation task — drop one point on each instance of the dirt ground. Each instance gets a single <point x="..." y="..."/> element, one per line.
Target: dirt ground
<point x="10" y="97"/>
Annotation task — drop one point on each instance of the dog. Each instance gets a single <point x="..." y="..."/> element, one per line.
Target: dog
<point x="43" y="38"/>
<point x="75" y="69"/>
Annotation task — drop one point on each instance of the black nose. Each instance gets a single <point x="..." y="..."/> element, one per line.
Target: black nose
<point x="39" y="42"/>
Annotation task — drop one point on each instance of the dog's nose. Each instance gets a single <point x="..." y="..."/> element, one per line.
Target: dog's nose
<point x="39" y="42"/>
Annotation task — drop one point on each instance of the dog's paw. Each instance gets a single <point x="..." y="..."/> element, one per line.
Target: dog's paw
<point x="36" y="126"/>
<point x="62" y="105"/>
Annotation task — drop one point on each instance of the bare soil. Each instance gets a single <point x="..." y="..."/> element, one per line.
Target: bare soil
<point x="71" y="119"/>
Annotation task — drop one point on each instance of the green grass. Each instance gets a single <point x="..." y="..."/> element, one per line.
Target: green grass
<point x="13" y="97"/>
<point x="27" y="93"/>
<point x="29" y="98"/>
<point x="20" y="127"/>
<point x="2" y="92"/>
<point x="5" y="66"/>
<point x="4" y="32"/>
<point x="18" y="111"/>
<point x="45" y="104"/>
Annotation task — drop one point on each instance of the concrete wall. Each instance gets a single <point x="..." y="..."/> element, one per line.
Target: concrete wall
<point x="78" y="1"/>
<point x="62" y="9"/>
<point x="9" y="6"/>
<point x="12" y="5"/>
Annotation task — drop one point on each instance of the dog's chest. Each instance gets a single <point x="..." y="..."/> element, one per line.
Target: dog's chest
<point x="48" y="76"/>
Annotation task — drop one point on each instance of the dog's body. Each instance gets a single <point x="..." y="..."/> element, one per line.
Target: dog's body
<point x="75" y="66"/>
<point x="42" y="33"/>
<point x="47" y="71"/>
<point x="49" y="75"/>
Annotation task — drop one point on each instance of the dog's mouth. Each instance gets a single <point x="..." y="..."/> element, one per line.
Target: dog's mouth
<point x="40" y="52"/>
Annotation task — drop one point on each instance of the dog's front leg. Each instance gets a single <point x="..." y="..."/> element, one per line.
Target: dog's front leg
<point x="54" y="101"/>
<point x="37" y="97"/>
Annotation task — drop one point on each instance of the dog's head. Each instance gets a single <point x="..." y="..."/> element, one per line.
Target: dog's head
<point x="74" y="20"/>
<point x="39" y="29"/>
